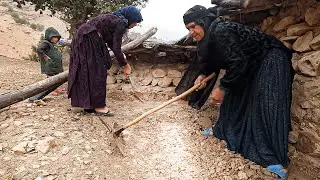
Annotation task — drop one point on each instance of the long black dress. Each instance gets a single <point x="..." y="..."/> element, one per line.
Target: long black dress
<point x="255" y="114"/>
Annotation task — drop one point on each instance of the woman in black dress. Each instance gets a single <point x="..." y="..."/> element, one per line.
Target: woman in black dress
<point x="255" y="93"/>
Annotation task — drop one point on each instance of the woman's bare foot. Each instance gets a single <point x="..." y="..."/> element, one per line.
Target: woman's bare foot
<point x="102" y="109"/>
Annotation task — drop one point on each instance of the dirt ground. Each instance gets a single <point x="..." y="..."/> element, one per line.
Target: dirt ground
<point x="166" y="145"/>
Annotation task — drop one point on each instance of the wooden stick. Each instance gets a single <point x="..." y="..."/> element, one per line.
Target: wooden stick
<point x="195" y="87"/>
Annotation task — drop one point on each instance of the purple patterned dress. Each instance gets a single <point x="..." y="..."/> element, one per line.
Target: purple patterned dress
<point x="89" y="59"/>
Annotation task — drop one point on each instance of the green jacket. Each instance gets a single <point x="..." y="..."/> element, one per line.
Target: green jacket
<point x="53" y="65"/>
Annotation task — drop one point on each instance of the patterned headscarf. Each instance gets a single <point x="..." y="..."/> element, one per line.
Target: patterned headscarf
<point x="130" y="14"/>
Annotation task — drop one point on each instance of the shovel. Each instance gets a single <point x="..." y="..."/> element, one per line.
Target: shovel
<point x="195" y="87"/>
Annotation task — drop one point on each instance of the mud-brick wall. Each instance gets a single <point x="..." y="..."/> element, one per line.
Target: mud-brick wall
<point x="298" y="28"/>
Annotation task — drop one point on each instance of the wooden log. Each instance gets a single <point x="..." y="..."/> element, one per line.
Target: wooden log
<point x="10" y="98"/>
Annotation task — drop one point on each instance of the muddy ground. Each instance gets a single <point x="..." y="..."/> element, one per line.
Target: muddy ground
<point x="166" y="145"/>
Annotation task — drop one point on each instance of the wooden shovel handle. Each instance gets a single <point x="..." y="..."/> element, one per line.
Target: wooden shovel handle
<point x="195" y="87"/>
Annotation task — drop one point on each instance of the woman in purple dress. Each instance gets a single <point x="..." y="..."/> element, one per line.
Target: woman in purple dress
<point x="90" y="59"/>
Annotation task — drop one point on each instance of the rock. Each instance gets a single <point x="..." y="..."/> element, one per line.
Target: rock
<point x="183" y="66"/>
<point x="302" y="43"/>
<point x="315" y="43"/>
<point x="155" y="81"/>
<point x="312" y="16"/>
<point x="45" y="145"/>
<point x="174" y="74"/>
<point x="242" y="175"/>
<point x="120" y="77"/>
<point x="59" y="134"/>
<point x="46" y="117"/>
<point x="17" y="123"/>
<point x="316" y="31"/>
<point x="40" y="103"/>
<point x="205" y="122"/>
<point x="2" y="172"/>
<point x="147" y="80"/>
<point x="159" y="73"/>
<point x="290" y="39"/>
<point x="310" y="65"/>
<point x="111" y="80"/>
<point x="89" y="173"/>
<point x="20" y="148"/>
<point x="175" y="81"/>
<point x="108" y="151"/>
<point x="288" y="45"/>
<point x="293" y="136"/>
<point x="308" y="142"/>
<point x="266" y="23"/>
<point x="127" y="87"/>
<point x="165" y="82"/>
<point x="114" y="69"/>
<point x="40" y="178"/>
<point x="306" y="105"/>
<point x="31" y="146"/>
<point x="298" y="29"/>
<point x="255" y="167"/>
<point x="4" y="125"/>
<point x="65" y="150"/>
<point x="284" y="23"/>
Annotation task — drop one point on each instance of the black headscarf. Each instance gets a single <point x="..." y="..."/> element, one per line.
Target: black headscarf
<point x="200" y="16"/>
<point x="204" y="18"/>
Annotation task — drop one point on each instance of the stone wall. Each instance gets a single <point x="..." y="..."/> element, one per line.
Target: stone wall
<point x="148" y="76"/>
<point x="298" y="28"/>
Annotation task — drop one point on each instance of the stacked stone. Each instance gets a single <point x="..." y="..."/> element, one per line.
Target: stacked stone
<point x="163" y="76"/>
<point x="299" y="29"/>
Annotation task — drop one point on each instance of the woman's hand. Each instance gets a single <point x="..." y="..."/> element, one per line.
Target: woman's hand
<point x="199" y="80"/>
<point x="127" y="69"/>
<point x="217" y="96"/>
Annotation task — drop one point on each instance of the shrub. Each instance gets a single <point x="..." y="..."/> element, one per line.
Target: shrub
<point x="34" y="54"/>
<point x="4" y="4"/>
<point x="18" y="19"/>
<point x="10" y="9"/>
<point x="37" y="27"/>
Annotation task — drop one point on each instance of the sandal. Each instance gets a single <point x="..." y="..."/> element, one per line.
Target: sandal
<point x="108" y="113"/>
<point x="207" y="131"/>
<point x="89" y="111"/>
<point x="276" y="169"/>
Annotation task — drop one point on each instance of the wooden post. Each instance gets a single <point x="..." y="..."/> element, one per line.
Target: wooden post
<point x="10" y="98"/>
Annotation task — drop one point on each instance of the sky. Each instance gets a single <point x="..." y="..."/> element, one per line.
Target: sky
<point x="166" y="15"/>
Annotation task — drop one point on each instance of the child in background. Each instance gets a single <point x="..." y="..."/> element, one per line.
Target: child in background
<point x="50" y="60"/>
